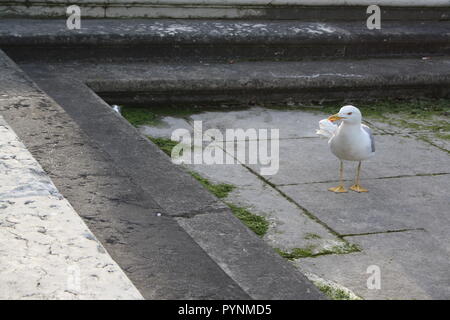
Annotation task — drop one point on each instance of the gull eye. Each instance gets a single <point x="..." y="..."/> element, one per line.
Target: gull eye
<point x="349" y="113"/>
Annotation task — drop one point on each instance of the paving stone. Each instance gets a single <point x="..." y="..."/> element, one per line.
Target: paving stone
<point x="390" y="204"/>
<point x="289" y="226"/>
<point x="439" y="142"/>
<point x="310" y="160"/>
<point x="291" y="124"/>
<point x="384" y="127"/>
<point x="416" y="202"/>
<point x="256" y="266"/>
<point x="165" y="127"/>
<point x="412" y="265"/>
<point x="234" y="174"/>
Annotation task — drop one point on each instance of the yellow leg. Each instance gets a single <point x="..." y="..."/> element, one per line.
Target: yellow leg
<point x="356" y="187"/>
<point x="340" y="188"/>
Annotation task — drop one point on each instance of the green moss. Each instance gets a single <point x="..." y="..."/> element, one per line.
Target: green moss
<point x="334" y="293"/>
<point x="257" y="224"/>
<point x="417" y="114"/>
<point x="140" y="113"/>
<point x="140" y="116"/>
<point x="297" y="253"/>
<point x="220" y="190"/>
<point x="418" y="108"/>
<point x="164" y="144"/>
<point x="309" y="236"/>
<point x="311" y="252"/>
<point x="341" y="249"/>
<point x="444" y="136"/>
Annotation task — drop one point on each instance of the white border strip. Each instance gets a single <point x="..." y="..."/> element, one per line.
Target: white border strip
<point x="46" y="250"/>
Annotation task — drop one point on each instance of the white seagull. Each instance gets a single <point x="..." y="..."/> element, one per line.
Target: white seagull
<point x="352" y="141"/>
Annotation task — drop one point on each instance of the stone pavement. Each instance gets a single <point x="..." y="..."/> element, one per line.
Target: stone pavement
<point x="401" y="225"/>
<point x="47" y="251"/>
<point x="184" y="246"/>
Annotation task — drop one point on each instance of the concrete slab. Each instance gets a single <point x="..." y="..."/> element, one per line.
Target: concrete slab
<point x="122" y="216"/>
<point x="390" y="204"/>
<point x="289" y="227"/>
<point x="377" y="211"/>
<point x="164" y="127"/>
<point x="310" y="160"/>
<point x="412" y="265"/>
<point x="155" y="250"/>
<point x="434" y="139"/>
<point x="291" y="124"/>
<point x="255" y="266"/>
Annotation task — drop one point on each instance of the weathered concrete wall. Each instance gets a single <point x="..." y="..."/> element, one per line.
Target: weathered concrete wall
<point x="231" y="9"/>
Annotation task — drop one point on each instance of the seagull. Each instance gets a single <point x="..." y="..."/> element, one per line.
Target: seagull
<point x="351" y="141"/>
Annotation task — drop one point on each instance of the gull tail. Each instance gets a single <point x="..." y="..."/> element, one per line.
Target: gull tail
<point x="326" y="129"/>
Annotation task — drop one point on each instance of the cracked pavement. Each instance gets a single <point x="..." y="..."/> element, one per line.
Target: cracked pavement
<point x="401" y="225"/>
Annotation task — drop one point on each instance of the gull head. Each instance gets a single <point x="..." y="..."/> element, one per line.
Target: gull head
<point x="348" y="114"/>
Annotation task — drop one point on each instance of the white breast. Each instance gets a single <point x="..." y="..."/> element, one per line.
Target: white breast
<point x="351" y="143"/>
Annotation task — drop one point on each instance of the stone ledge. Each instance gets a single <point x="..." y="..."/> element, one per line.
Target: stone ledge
<point x="206" y="40"/>
<point x="184" y="83"/>
<point x="310" y="10"/>
<point x="116" y="200"/>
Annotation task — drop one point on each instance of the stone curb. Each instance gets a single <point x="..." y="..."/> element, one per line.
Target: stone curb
<point x="175" y="267"/>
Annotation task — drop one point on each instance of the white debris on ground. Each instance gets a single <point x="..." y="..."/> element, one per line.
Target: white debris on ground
<point x="46" y="250"/>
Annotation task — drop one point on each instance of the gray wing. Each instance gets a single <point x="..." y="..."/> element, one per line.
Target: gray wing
<point x="372" y="140"/>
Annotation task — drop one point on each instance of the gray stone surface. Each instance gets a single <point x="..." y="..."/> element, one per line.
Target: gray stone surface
<point x="289" y="226"/>
<point x="407" y="191"/>
<point x="153" y="186"/>
<point x="291" y="124"/>
<point x="310" y="160"/>
<point x="257" y="268"/>
<point x="231" y="9"/>
<point x="187" y="83"/>
<point x="55" y="31"/>
<point x="390" y="204"/>
<point x="434" y="139"/>
<point x="413" y="265"/>
<point x="47" y="250"/>
<point x="165" y="127"/>
<point x="157" y="254"/>
<point x="154" y="251"/>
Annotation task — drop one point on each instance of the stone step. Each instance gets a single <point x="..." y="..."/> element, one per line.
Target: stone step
<point x="301" y="10"/>
<point x="257" y="82"/>
<point x="219" y="40"/>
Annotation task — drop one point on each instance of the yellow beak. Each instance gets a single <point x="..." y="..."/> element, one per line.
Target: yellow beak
<point x="335" y="117"/>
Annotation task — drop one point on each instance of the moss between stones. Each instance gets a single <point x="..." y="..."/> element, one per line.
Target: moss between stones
<point x="418" y="114"/>
<point x="164" y="144"/>
<point x="417" y="108"/>
<point x="139" y="116"/>
<point x="334" y="293"/>
<point x="220" y="190"/>
<point x="309" y="236"/>
<point x="443" y="136"/>
<point x="310" y="252"/>
<point x="257" y="224"/>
